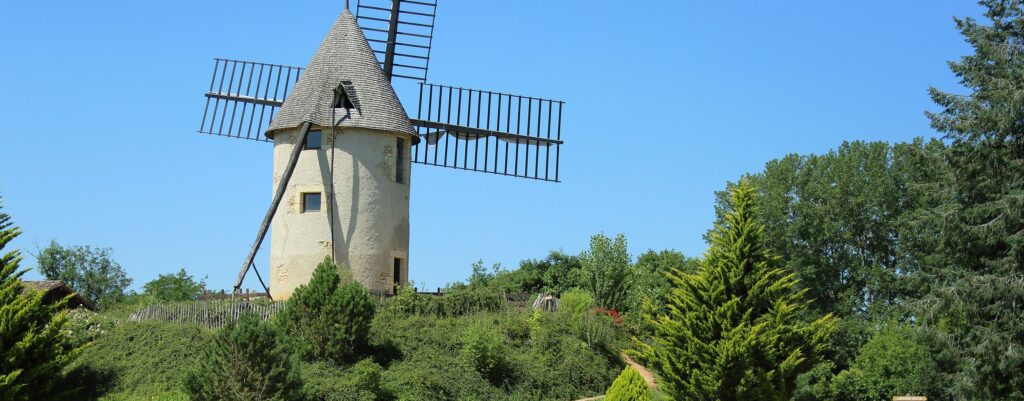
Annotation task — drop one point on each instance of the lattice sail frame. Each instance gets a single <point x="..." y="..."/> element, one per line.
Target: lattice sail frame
<point x="461" y="128"/>
<point x="259" y="88"/>
<point x="400" y="33"/>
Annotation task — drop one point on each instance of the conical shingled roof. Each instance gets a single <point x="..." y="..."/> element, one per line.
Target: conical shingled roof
<point x="344" y="55"/>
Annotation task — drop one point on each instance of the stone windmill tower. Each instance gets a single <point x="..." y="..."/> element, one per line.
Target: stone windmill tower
<point x="344" y="144"/>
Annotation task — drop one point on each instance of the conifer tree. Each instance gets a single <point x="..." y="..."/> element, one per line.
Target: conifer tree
<point x="246" y="361"/>
<point x="629" y="386"/>
<point x="732" y="330"/>
<point x="33" y="346"/>
<point x="979" y="271"/>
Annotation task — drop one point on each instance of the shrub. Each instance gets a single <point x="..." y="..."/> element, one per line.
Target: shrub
<point x="484" y="348"/>
<point x="629" y="386"/>
<point x="33" y="346"/>
<point x="141" y="360"/>
<point x="327" y="318"/>
<point x="246" y="361"/>
<point x="175" y="287"/>
<point x="578" y="317"/>
<point x="434" y="374"/>
<point x="323" y="381"/>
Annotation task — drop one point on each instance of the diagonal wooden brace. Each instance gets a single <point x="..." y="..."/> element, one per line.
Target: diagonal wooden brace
<point x="278" y="195"/>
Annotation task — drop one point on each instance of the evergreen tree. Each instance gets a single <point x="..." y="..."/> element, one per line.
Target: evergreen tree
<point x="246" y="361"/>
<point x="979" y="274"/>
<point x="328" y="318"/>
<point x="33" y="346"/>
<point x="629" y="386"/>
<point x="732" y="330"/>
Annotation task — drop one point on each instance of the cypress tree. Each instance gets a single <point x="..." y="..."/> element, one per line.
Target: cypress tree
<point x="246" y="361"/>
<point x="33" y="346"/>
<point x="979" y="272"/>
<point x="732" y="330"/>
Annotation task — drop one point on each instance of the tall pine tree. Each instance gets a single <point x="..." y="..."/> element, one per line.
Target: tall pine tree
<point x="33" y="346"/>
<point x="979" y="276"/>
<point x="732" y="330"/>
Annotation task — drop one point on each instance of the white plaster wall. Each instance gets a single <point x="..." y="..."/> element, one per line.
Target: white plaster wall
<point x="370" y="210"/>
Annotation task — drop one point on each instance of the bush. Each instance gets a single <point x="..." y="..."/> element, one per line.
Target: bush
<point x="629" y="386"/>
<point x="578" y="317"/>
<point x="141" y="360"/>
<point x="246" y="361"/>
<point x="457" y="300"/>
<point x="327" y="318"/>
<point x="437" y="375"/>
<point x="484" y="348"/>
<point x="33" y="346"/>
<point x="175" y="287"/>
<point x="323" y="381"/>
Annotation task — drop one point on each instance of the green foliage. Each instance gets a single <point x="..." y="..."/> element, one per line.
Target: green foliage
<point x="629" y="386"/>
<point x="895" y="361"/>
<point x="33" y="346"/>
<point x="457" y="300"/>
<point x="85" y="326"/>
<point x="246" y="361"/>
<point x="144" y="360"/>
<point x="650" y="289"/>
<point x="605" y="271"/>
<point x="432" y="364"/>
<point x="554" y="275"/>
<point x="89" y="271"/>
<point x="848" y="222"/>
<point x="733" y="329"/>
<point x="175" y="287"/>
<point x="979" y="263"/>
<point x="483" y="347"/>
<point x="328" y="319"/>
<point x="324" y="381"/>
<point x="576" y="318"/>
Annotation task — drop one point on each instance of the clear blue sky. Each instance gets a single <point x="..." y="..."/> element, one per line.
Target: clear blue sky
<point x="665" y="103"/>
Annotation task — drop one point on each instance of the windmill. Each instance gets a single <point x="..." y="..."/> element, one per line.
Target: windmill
<point x="344" y="145"/>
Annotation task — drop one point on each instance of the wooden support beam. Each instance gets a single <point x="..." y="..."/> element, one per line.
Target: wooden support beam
<point x="278" y="195"/>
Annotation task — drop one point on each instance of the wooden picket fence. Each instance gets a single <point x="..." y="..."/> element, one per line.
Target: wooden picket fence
<point x="210" y="314"/>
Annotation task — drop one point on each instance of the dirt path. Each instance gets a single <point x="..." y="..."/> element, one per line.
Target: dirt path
<point x="646" y="374"/>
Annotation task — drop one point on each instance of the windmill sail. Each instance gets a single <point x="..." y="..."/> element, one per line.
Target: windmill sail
<point x="244" y="96"/>
<point x="490" y="132"/>
<point x="400" y="33"/>
<point x="466" y="129"/>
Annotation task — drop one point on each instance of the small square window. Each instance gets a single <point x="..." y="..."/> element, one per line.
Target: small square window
<point x="311" y="202"/>
<point x="313" y="140"/>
